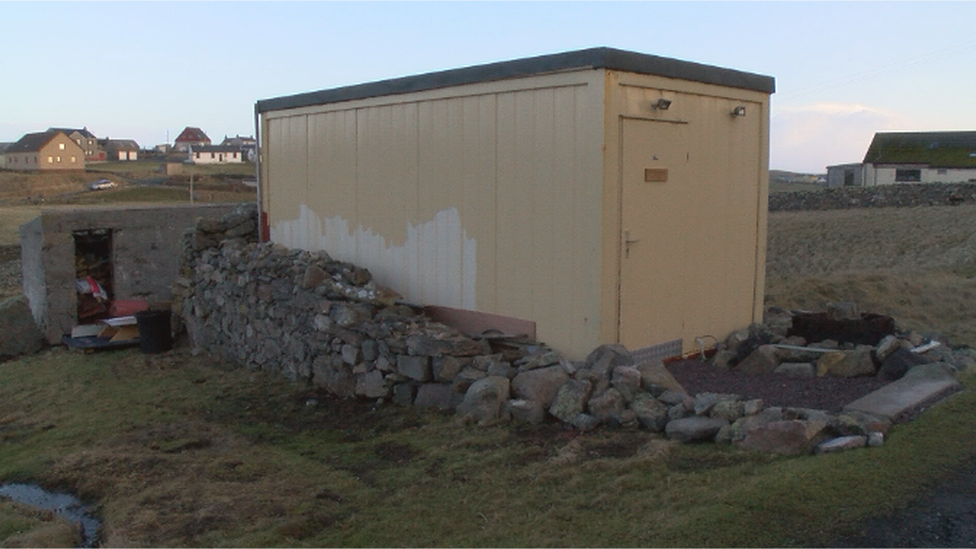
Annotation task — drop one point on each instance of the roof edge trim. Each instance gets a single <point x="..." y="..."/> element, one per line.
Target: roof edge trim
<point x="593" y="58"/>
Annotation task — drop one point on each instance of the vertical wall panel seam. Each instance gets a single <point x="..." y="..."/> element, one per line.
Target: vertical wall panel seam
<point x="354" y="222"/>
<point x="495" y="178"/>
<point x="307" y="237"/>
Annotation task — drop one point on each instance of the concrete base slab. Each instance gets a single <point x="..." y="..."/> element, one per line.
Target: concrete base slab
<point x="894" y="399"/>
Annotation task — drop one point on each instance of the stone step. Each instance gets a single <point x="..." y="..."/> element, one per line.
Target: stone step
<point x="920" y="385"/>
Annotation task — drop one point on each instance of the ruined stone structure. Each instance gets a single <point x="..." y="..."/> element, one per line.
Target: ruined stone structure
<point x="138" y="245"/>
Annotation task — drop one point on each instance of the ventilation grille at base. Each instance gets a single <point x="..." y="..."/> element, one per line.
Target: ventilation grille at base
<point x="661" y="351"/>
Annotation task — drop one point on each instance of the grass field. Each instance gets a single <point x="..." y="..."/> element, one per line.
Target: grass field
<point x="148" y="168"/>
<point x="183" y="450"/>
<point x="178" y="450"/>
<point x="916" y="264"/>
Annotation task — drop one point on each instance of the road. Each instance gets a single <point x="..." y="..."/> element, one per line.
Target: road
<point x="944" y="516"/>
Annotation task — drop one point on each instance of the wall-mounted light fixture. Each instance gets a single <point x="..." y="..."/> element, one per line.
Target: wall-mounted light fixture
<point x="662" y="104"/>
<point x="739" y="111"/>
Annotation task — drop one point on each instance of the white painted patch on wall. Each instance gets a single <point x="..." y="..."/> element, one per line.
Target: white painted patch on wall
<point x="436" y="265"/>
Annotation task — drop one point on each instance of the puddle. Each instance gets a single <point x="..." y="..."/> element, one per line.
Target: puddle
<point x="64" y="505"/>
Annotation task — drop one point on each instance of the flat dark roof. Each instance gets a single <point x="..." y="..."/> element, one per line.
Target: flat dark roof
<point x="593" y="58"/>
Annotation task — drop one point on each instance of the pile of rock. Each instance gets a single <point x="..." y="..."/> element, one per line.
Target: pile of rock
<point x="900" y="195"/>
<point x="777" y="347"/>
<point x="327" y="323"/>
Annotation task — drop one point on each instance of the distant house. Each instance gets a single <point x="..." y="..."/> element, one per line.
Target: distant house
<point x="191" y="137"/>
<point x="3" y="150"/>
<point x="239" y="141"/>
<point x="52" y="150"/>
<point x="248" y="145"/>
<point x="911" y="157"/>
<point x="216" y="155"/>
<point x="86" y="140"/>
<point x="120" y="149"/>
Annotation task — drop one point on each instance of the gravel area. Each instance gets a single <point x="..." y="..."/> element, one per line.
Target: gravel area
<point x="822" y="393"/>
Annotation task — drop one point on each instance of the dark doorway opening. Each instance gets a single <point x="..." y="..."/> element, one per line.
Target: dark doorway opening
<point x="93" y="273"/>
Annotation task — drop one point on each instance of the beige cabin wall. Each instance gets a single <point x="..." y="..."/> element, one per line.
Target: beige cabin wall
<point x="485" y="197"/>
<point x="713" y="263"/>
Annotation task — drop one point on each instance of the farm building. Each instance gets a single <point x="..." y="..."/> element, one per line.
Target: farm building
<point x="911" y="157"/>
<point x="120" y="149"/>
<point x="126" y="253"/>
<point x="605" y="195"/>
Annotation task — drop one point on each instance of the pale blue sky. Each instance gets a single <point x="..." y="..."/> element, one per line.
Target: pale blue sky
<point x="138" y="70"/>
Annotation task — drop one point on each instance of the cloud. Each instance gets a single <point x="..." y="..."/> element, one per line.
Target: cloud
<point x="808" y="138"/>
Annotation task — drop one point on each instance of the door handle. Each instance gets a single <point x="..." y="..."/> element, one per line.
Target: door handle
<point x="627" y="242"/>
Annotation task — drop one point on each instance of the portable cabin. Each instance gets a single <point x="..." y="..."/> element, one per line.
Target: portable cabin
<point x="606" y="195"/>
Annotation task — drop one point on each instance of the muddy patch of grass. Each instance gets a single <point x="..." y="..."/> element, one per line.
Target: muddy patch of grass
<point x="178" y="450"/>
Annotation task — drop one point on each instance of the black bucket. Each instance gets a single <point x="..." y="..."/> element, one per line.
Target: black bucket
<point x="155" y="332"/>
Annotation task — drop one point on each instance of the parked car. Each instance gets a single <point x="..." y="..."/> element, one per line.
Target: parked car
<point x="102" y="184"/>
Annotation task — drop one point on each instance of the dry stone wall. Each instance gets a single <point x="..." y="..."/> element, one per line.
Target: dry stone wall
<point x="901" y="195"/>
<point x="326" y="323"/>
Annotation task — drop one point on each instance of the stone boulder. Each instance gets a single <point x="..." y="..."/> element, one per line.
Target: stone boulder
<point x="694" y="429"/>
<point x="704" y="402"/>
<point x="606" y="357"/>
<point x="886" y="346"/>
<point x="606" y="405"/>
<point x="656" y="379"/>
<point x="854" y="363"/>
<point x="729" y="410"/>
<point x="789" y="437"/>
<point x="627" y="380"/>
<point x="724" y="359"/>
<point x="742" y="426"/>
<point x="763" y="360"/>
<point x="651" y="412"/>
<point x="415" y="367"/>
<point x="19" y="334"/>
<point x="540" y="385"/>
<point x="330" y="373"/>
<point x="527" y="411"/>
<point x="486" y="400"/>
<point x="437" y="395"/>
<point x="840" y="444"/>
<point x="897" y="363"/>
<point x="570" y="400"/>
<point x="372" y="385"/>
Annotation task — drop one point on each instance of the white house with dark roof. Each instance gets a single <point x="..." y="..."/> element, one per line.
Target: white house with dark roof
<point x="216" y="154"/>
<point x="911" y="157"/>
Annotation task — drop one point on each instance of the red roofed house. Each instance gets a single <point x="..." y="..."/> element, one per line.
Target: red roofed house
<point x="191" y="137"/>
